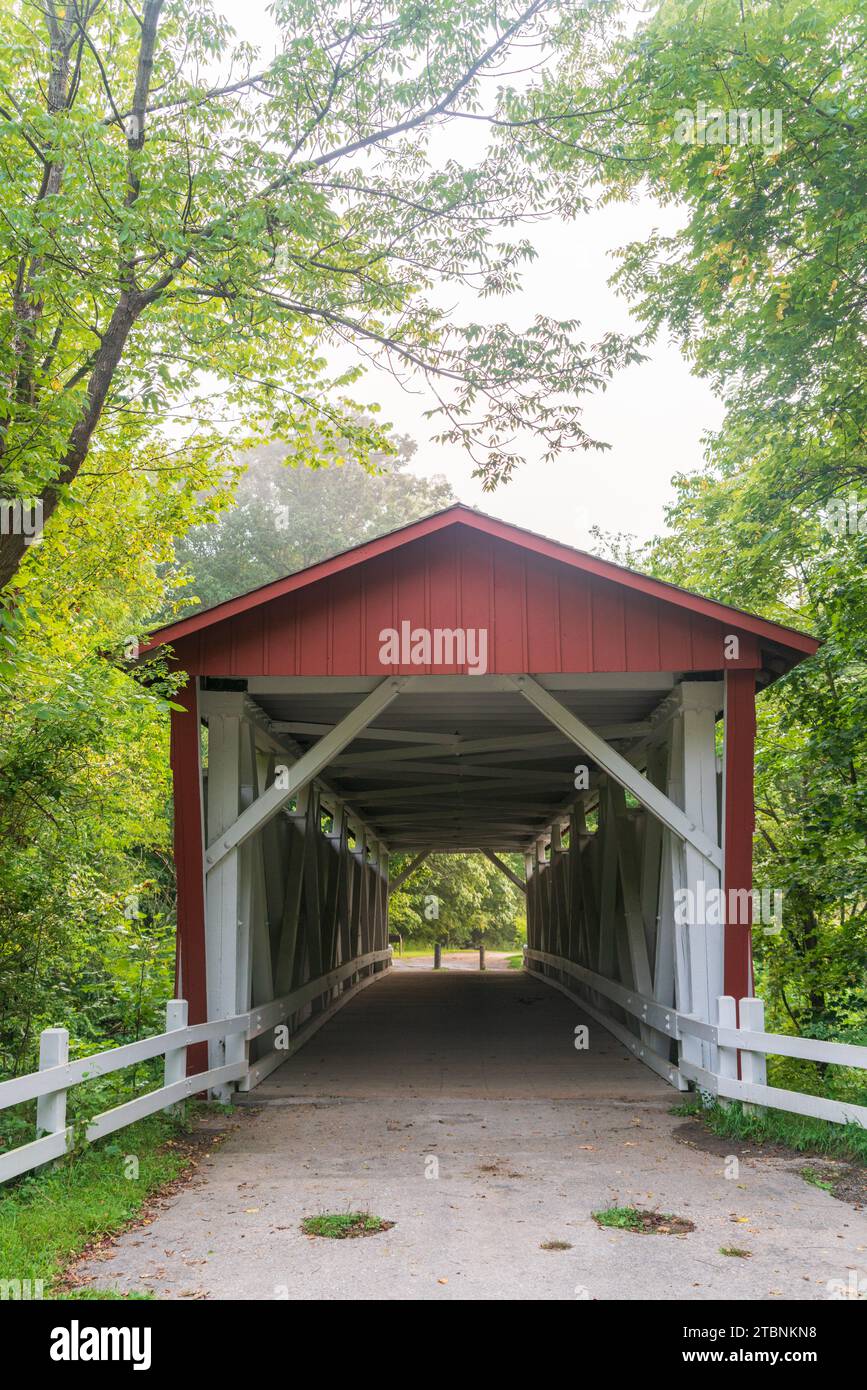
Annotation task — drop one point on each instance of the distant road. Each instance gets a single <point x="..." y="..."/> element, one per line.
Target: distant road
<point x="455" y="960"/>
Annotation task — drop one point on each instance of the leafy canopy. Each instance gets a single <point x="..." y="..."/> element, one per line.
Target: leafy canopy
<point x="190" y="231"/>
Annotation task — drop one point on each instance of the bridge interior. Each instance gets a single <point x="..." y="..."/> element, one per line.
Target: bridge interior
<point x="452" y="1034"/>
<point x="541" y="767"/>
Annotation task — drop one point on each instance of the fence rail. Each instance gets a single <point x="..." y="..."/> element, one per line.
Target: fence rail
<point x="738" y="1041"/>
<point x="57" y="1075"/>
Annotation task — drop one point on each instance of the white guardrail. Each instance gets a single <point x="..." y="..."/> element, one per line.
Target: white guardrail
<point x="57" y="1075"/>
<point x="747" y="1042"/>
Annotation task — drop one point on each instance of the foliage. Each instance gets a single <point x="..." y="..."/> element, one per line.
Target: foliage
<point x="86" y="882"/>
<point x="190" y="231"/>
<point x="780" y="1127"/>
<point x="763" y="286"/>
<point x="284" y="518"/>
<point x="459" y="900"/>
<point x="49" y="1217"/>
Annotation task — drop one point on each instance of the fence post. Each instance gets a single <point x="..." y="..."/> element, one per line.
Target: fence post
<point x="754" y="1065"/>
<point x="727" y="1057"/>
<point x="438" y="956"/>
<point x="175" y="1068"/>
<point x="51" y="1109"/>
<point x="482" y="958"/>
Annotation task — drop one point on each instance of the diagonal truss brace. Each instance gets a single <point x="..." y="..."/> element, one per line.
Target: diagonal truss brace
<point x="504" y="869"/>
<point x="396" y="883"/>
<point x="301" y="773"/>
<point x="617" y="767"/>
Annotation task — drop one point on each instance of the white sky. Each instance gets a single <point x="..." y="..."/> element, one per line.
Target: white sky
<point x="653" y="415"/>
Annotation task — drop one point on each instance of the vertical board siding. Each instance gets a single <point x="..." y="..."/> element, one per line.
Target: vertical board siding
<point x="409" y="582"/>
<point x="376" y="582"/>
<point x="609" y="627"/>
<point x="345" y="638"/>
<point x="476" y="576"/>
<point x="641" y="619"/>
<point x="576" y="623"/>
<point x="443" y="585"/>
<point x="280" y="646"/>
<point x="541" y="616"/>
<point x="543" y="646"/>
<point x="509" y="636"/>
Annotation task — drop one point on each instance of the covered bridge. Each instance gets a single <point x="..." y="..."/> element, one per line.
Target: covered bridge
<point x="464" y="685"/>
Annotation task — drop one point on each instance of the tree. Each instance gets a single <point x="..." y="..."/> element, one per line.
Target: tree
<point x="458" y="899"/>
<point x="282" y="519"/>
<point x="188" y="230"/>
<point x="764" y="287"/>
<point x="86" y="877"/>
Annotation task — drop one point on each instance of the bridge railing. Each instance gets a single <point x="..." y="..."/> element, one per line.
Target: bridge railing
<point x="56" y="1076"/>
<point x="740" y="1048"/>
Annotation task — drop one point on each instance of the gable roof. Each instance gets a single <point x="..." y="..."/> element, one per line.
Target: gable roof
<point x="796" y="644"/>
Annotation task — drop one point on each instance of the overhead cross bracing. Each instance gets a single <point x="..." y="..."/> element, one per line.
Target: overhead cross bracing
<point x="463" y="769"/>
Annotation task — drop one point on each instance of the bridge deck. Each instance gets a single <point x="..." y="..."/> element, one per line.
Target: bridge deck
<point x="500" y="1034"/>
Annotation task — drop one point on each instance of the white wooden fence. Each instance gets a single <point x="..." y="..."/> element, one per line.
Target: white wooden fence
<point x="714" y="1069"/>
<point x="716" y="1073"/>
<point x="57" y="1075"/>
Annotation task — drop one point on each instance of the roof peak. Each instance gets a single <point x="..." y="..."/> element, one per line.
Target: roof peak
<point x="460" y="513"/>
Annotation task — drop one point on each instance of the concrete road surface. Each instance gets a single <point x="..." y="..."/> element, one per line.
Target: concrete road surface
<point x="457" y="1107"/>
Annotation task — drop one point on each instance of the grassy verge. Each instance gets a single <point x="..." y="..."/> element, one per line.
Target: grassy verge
<point x="49" y="1217"/>
<point x="797" y="1132"/>
<point x="342" y="1225"/>
<point x="516" y="962"/>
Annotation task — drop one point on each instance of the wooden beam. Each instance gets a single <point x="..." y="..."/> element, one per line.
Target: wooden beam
<point x="738" y="826"/>
<point x="619" y="769"/>
<point x="393" y="772"/>
<point x="456" y="746"/>
<point x="410" y="869"/>
<point x="289" y="726"/>
<point x="382" y="796"/>
<point x="190" y="966"/>
<point x="499" y="749"/>
<point x="504" y="869"/>
<point x="302" y="772"/>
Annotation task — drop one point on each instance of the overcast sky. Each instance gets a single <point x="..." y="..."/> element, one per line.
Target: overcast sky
<point x="653" y="415"/>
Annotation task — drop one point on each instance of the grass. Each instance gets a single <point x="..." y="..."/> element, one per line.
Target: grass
<point x="816" y="1180"/>
<point x="735" y="1251"/>
<point x="621" y="1218"/>
<point x="797" y="1132"/>
<point x="643" y="1222"/>
<point x="48" y="1217"/>
<point x="343" y="1225"/>
<point x="516" y="962"/>
<point x="555" y="1245"/>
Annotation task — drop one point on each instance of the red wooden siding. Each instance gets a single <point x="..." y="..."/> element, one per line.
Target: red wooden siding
<point x="541" y="615"/>
<point x="190" y="982"/>
<point x="739" y="818"/>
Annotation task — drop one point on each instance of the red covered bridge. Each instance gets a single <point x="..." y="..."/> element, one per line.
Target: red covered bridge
<point x="464" y="685"/>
